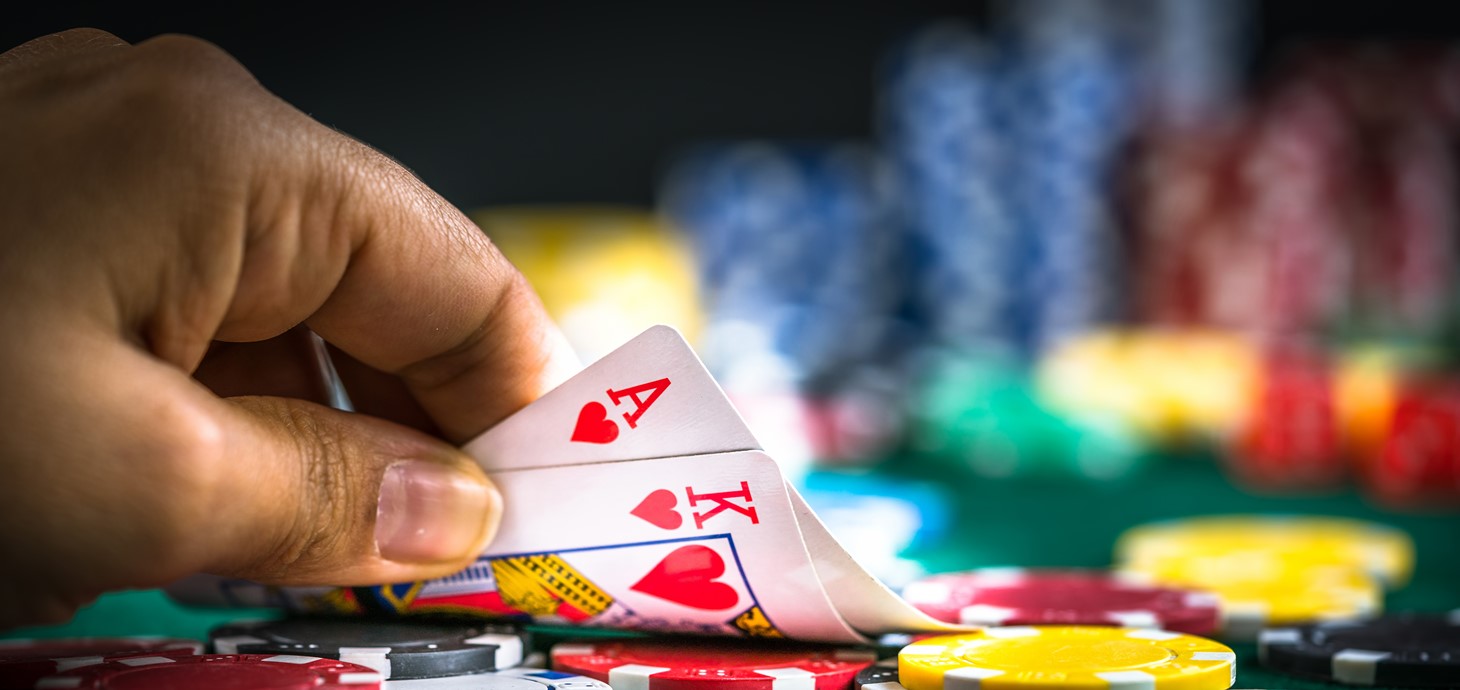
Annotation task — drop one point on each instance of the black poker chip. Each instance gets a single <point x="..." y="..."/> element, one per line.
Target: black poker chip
<point x="879" y="676"/>
<point x="403" y="648"/>
<point x="1409" y="650"/>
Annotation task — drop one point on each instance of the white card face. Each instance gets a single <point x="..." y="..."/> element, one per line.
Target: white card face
<point x="651" y="398"/>
<point x="705" y="544"/>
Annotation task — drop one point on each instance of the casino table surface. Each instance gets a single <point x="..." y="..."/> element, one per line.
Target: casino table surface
<point x="996" y="522"/>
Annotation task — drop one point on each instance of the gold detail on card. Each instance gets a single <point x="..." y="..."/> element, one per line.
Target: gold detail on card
<point x="535" y="585"/>
<point x="753" y="623"/>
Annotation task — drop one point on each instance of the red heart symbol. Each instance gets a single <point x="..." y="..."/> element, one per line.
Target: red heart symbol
<point x="658" y="510"/>
<point x="686" y="577"/>
<point x="594" y="426"/>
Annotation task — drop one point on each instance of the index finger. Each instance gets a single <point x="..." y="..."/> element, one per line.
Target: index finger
<point x="315" y="227"/>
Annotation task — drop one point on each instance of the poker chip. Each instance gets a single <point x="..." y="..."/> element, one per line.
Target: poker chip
<point x="553" y="680"/>
<point x="397" y="649"/>
<point x="1409" y="650"/>
<point x="1291" y="439"/>
<point x="696" y="664"/>
<point x="1075" y="656"/>
<point x="475" y="681"/>
<point x="1259" y="598"/>
<point x="879" y="676"/>
<point x="23" y="662"/>
<point x="510" y="679"/>
<point x="1015" y="596"/>
<point x="1260" y="584"/>
<point x="1378" y="550"/>
<point x="890" y="644"/>
<point x="1418" y="463"/>
<point x="216" y="671"/>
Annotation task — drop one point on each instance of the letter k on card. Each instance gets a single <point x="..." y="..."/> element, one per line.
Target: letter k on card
<point x="650" y="398"/>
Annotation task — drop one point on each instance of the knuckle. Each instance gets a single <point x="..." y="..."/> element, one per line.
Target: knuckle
<point x="186" y="84"/>
<point x="326" y="503"/>
<point x="195" y="55"/>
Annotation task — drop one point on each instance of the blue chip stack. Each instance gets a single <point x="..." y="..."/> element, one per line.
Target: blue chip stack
<point x="945" y="133"/>
<point x="797" y="254"/>
<point x="1074" y="89"/>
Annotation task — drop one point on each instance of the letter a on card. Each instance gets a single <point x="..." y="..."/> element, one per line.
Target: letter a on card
<point x="650" y="398"/>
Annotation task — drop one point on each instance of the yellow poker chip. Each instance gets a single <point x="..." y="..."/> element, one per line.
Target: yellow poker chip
<point x="1169" y="385"/>
<point x="1376" y="550"/>
<point x="604" y="273"/>
<point x="1256" y="590"/>
<point x="1062" y="657"/>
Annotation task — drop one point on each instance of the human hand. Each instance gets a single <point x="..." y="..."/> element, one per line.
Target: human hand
<point x="168" y="226"/>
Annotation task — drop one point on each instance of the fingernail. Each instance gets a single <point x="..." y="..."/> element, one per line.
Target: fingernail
<point x="429" y="512"/>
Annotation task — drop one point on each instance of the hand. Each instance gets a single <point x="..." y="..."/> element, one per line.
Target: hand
<point x="168" y="225"/>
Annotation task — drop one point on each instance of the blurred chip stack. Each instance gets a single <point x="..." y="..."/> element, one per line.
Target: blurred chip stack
<point x="797" y="258"/>
<point x="1172" y="387"/>
<point x="604" y="273"/>
<point x="1418" y="465"/>
<point x="1324" y="207"/>
<point x="944" y="110"/>
<point x="1290" y="438"/>
<point x="1273" y="569"/>
<point x="1072" y="105"/>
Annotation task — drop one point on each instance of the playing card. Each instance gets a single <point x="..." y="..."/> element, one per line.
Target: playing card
<point x="635" y="497"/>
<point x="705" y="544"/>
<point x="651" y="398"/>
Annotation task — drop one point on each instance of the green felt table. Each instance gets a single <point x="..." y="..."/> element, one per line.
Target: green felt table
<point x="995" y="522"/>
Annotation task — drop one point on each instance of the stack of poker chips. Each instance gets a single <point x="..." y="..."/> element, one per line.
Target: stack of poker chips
<point x="604" y="273"/>
<point x="1324" y="206"/>
<point x="1283" y="416"/>
<point x="1006" y="145"/>
<point x="1223" y="576"/>
<point x="1063" y="596"/>
<point x="1273" y="570"/>
<point x="1306" y="589"/>
<point x="983" y="417"/>
<point x="798" y="264"/>
<point x="1404" y="650"/>
<point x="944" y="127"/>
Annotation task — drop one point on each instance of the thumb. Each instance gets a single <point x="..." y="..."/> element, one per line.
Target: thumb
<point x="322" y="496"/>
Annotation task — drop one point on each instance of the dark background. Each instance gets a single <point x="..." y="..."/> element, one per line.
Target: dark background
<point x="583" y="102"/>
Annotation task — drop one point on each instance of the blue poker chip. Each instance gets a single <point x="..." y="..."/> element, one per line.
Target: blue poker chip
<point x="554" y="680"/>
<point x="475" y="681"/>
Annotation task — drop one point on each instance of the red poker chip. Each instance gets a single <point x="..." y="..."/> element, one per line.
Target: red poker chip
<point x="1291" y="439"/>
<point x="697" y="664"/>
<point x="1418" y="464"/>
<point x="1016" y="596"/>
<point x="212" y="671"/>
<point x="23" y="662"/>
